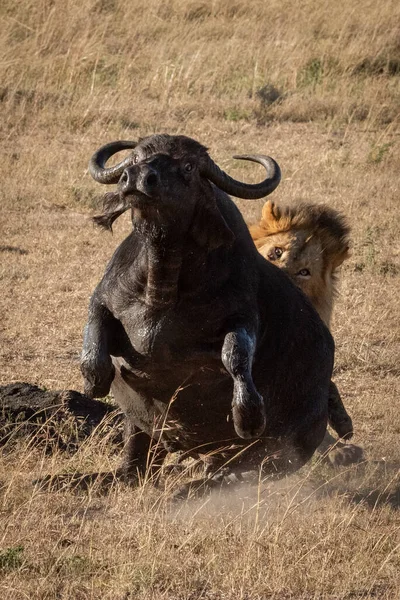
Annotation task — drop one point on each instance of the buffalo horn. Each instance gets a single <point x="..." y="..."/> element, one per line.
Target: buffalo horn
<point x="245" y="190"/>
<point x="97" y="163"/>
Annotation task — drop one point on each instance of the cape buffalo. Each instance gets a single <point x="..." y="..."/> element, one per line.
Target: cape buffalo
<point x="207" y="347"/>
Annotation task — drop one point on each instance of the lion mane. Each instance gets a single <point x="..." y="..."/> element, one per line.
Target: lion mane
<point x="309" y="242"/>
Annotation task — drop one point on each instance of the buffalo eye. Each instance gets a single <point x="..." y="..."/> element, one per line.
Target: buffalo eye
<point x="135" y="158"/>
<point x="278" y="252"/>
<point x="304" y="273"/>
<point x="188" y="167"/>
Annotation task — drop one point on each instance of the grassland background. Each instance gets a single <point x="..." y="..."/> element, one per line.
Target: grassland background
<point x="74" y="75"/>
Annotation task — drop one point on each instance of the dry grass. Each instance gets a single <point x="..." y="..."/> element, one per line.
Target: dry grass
<point x="75" y="75"/>
<point x="316" y="535"/>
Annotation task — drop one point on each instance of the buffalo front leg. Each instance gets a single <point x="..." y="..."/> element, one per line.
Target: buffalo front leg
<point x="96" y="365"/>
<point x="248" y="408"/>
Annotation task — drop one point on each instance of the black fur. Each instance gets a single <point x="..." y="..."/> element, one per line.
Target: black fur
<point x="207" y="345"/>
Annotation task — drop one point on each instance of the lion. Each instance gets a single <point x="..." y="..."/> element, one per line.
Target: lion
<point x="310" y="242"/>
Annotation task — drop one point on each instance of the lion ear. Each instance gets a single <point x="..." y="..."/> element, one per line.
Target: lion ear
<point x="339" y="258"/>
<point x="270" y="215"/>
<point x="268" y="223"/>
<point x="210" y="229"/>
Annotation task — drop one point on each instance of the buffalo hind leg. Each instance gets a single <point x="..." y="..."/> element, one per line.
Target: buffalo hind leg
<point x="140" y="459"/>
<point x="247" y="405"/>
<point x="142" y="456"/>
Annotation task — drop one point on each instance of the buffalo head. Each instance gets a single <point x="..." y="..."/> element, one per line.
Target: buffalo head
<point x="167" y="180"/>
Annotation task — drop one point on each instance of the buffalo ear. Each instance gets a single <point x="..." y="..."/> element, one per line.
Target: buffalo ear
<point x="209" y="227"/>
<point x="114" y="205"/>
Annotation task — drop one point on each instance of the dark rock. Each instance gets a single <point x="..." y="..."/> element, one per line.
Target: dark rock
<point x="63" y="417"/>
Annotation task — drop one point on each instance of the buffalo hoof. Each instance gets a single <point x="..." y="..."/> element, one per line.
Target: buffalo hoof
<point x="97" y="380"/>
<point x="205" y="485"/>
<point x="194" y="489"/>
<point x="173" y="470"/>
<point x="248" y="414"/>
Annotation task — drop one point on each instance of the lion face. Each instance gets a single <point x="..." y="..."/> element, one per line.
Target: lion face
<point x="301" y="257"/>
<point x="309" y="243"/>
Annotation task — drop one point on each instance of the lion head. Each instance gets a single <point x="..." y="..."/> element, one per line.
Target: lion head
<point x="309" y="242"/>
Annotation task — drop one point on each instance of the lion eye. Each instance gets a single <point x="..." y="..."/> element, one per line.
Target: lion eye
<point x="304" y="273"/>
<point x="278" y="252"/>
<point x="188" y="167"/>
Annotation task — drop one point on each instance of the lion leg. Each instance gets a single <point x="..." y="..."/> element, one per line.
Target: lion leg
<point x="337" y="452"/>
<point x="338" y="418"/>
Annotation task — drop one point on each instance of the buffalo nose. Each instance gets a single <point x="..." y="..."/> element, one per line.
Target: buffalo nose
<point x="148" y="181"/>
<point x="127" y="181"/>
<point x="151" y="179"/>
<point x="141" y="179"/>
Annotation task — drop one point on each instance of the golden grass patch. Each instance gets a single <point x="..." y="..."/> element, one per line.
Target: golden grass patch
<point x="76" y="75"/>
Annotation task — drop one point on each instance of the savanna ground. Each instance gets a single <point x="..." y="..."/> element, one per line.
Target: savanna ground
<point x="75" y="75"/>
